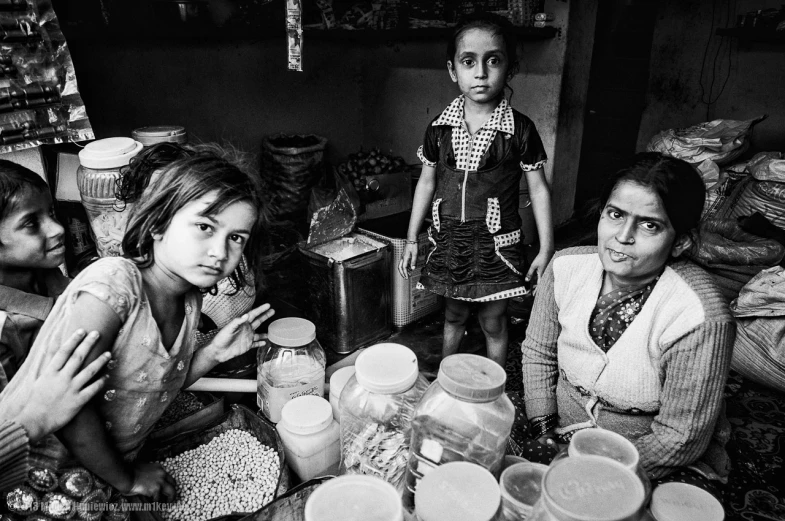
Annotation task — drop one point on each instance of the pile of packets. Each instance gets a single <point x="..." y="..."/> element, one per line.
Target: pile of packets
<point x="39" y="99"/>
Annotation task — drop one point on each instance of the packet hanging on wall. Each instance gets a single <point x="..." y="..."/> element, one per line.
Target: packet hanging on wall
<point x="294" y="34"/>
<point x="39" y="99"/>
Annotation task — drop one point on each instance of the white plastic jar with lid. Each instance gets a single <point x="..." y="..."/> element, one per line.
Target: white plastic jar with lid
<point x="338" y="381"/>
<point x="376" y="409"/>
<point x="149" y="136"/>
<point x="311" y="437"/>
<point x="100" y="163"/>
<point x="678" y="501"/>
<point x="291" y="365"/>
<point x="590" y="488"/>
<point x="458" y="490"/>
<point x="463" y="416"/>
<point x="354" y="498"/>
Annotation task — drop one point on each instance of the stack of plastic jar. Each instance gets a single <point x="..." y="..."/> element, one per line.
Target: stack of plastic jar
<point x="464" y="416"/>
<point x="376" y="410"/>
<point x="292" y="365"/>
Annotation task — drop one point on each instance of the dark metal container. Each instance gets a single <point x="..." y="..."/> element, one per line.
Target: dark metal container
<point x="349" y="282"/>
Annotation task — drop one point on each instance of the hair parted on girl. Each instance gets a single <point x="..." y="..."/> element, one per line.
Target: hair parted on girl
<point x="495" y="23"/>
<point x="166" y="177"/>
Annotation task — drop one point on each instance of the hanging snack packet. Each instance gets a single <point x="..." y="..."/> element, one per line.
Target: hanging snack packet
<point x="294" y="34"/>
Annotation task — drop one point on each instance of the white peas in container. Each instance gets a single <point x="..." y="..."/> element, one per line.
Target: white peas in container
<point x="311" y="437"/>
<point x="376" y="410"/>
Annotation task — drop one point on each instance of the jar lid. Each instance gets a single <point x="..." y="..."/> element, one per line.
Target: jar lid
<point x="592" y="487"/>
<point x="160" y="134"/>
<point x="457" y="490"/>
<point x="472" y="378"/>
<point x="339" y="379"/>
<point x="306" y="415"/>
<point x="291" y="332"/>
<point x="602" y="442"/>
<point x="676" y="501"/>
<point x="354" y="498"/>
<point x="112" y="152"/>
<point x="386" y="368"/>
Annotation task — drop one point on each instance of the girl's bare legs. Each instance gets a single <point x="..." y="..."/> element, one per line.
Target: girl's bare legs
<point x="456" y="314"/>
<point x="493" y="321"/>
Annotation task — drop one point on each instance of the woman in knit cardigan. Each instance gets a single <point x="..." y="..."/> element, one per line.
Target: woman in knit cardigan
<point x="626" y="336"/>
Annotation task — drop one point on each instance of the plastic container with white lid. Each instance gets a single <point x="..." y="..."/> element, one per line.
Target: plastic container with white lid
<point x="99" y="169"/>
<point x="354" y="498"/>
<point x="291" y="365"/>
<point x="463" y="416"/>
<point x="338" y="381"/>
<point x="521" y="486"/>
<point x="458" y="491"/>
<point x="311" y="437"/>
<point x="679" y="501"/>
<point x="590" y="488"/>
<point x="149" y="136"/>
<point x="376" y="409"/>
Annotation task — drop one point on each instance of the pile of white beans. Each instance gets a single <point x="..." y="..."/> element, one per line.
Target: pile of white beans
<point x="234" y="472"/>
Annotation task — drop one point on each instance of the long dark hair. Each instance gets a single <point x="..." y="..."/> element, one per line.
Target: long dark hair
<point x="499" y="26"/>
<point x="193" y="173"/>
<point x="15" y="180"/>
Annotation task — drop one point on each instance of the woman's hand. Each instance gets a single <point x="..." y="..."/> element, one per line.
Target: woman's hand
<point x="151" y="480"/>
<point x="408" y="259"/>
<point x="47" y="403"/>
<point x="238" y="336"/>
<point x="539" y="264"/>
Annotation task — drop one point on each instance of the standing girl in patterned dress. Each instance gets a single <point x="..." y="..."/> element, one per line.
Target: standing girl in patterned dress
<point x="473" y="157"/>
<point x="187" y="232"/>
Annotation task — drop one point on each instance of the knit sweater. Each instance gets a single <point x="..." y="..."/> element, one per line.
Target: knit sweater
<point x="660" y="385"/>
<point x="14" y="449"/>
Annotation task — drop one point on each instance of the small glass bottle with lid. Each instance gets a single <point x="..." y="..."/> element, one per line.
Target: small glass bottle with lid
<point x="291" y="365"/>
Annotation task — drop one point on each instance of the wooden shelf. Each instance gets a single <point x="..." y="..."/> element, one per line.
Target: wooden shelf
<point x="753" y="35"/>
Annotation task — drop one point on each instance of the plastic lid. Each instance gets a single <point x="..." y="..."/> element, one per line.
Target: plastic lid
<point x="457" y="490"/>
<point x="112" y="152"/>
<point x="472" y="378"/>
<point x="354" y="498"/>
<point x="677" y="501"/>
<point x="602" y="442"/>
<point x="306" y="415"/>
<point x="386" y="368"/>
<point x="291" y="332"/>
<point x="592" y="487"/>
<point x="160" y="134"/>
<point x="522" y="482"/>
<point x="339" y="379"/>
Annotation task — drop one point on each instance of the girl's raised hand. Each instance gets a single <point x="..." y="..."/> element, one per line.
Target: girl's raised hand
<point x="239" y="336"/>
<point x="408" y="259"/>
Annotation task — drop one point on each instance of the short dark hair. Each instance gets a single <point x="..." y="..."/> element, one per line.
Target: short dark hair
<point x="498" y="24"/>
<point x="202" y="170"/>
<point x="677" y="183"/>
<point x="16" y="179"/>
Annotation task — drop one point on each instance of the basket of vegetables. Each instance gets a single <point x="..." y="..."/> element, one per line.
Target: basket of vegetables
<point x="362" y="166"/>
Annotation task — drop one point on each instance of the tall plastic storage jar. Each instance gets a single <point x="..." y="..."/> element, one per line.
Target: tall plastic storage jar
<point x="463" y="416"/>
<point x="292" y="365"/>
<point x="376" y="410"/>
<point x="100" y="163"/>
<point x="353" y="498"/>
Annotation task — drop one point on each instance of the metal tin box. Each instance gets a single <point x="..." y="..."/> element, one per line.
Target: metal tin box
<point x="349" y="281"/>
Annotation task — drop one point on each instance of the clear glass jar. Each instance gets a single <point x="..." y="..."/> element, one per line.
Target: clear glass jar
<point x="291" y="365"/>
<point x="458" y="491"/>
<point x="376" y="410"/>
<point x="590" y="488"/>
<point x="463" y="416"/>
<point x="99" y="168"/>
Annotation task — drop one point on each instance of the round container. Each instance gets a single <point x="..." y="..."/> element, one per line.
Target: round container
<point x="458" y="490"/>
<point x="464" y="416"/>
<point x="679" y="501"/>
<point x="311" y="437"/>
<point x="589" y="488"/>
<point x="376" y="409"/>
<point x="99" y="168"/>
<point x="338" y="381"/>
<point x="291" y="365"/>
<point x="602" y="442"/>
<point x="149" y="136"/>
<point x="521" y="486"/>
<point x="354" y="498"/>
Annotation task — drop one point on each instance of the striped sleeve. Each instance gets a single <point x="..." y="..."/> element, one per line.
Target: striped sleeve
<point x="14" y="449"/>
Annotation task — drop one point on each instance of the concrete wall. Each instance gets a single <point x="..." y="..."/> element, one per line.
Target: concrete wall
<point x="684" y="33"/>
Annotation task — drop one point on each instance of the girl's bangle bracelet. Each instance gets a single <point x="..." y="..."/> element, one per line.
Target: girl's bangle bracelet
<point x="411" y="242"/>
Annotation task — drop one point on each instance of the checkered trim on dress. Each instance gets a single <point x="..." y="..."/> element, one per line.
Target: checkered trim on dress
<point x="535" y="166"/>
<point x="435" y="214"/>
<point x="493" y="216"/>
<point x="422" y="158"/>
<point x="507" y="239"/>
<point x="515" y="292"/>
